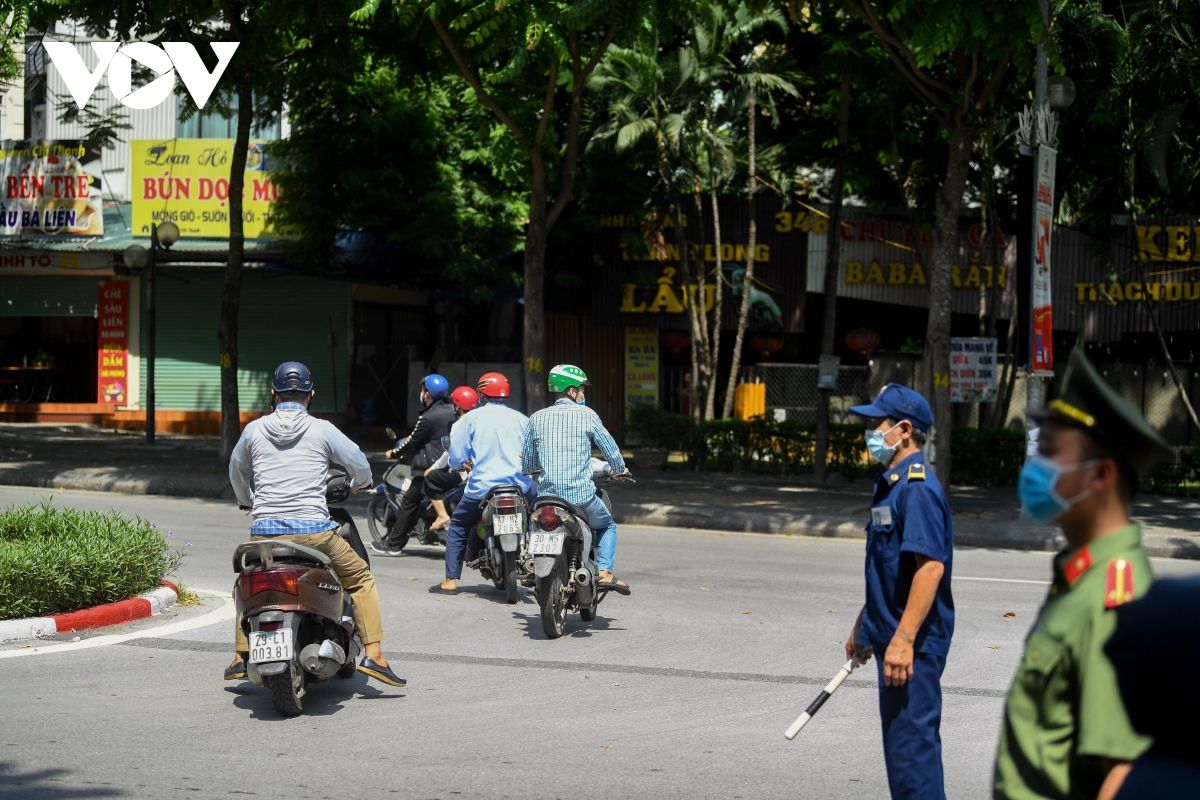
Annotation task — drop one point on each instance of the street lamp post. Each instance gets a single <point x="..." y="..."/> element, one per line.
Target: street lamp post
<point x="136" y="256"/>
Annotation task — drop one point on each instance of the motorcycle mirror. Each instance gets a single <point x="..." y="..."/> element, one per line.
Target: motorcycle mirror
<point x="391" y="433"/>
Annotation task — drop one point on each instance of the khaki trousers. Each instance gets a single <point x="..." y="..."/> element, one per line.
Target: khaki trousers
<point x="355" y="576"/>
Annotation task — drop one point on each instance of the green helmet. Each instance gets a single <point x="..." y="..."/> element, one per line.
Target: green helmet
<point x="564" y="376"/>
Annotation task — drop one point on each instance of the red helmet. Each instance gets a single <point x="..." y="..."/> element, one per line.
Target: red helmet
<point x="464" y="398"/>
<point x="493" y="384"/>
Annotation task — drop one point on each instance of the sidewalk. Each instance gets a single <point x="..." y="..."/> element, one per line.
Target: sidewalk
<point x="87" y="457"/>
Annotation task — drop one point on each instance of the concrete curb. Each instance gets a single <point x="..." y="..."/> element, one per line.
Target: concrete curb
<point x="108" y="479"/>
<point x="150" y="604"/>
<point x="997" y="534"/>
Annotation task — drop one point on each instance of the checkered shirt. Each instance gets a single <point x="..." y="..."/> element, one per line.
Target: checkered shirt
<point x="559" y="441"/>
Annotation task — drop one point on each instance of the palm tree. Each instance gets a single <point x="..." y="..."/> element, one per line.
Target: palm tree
<point x="689" y="102"/>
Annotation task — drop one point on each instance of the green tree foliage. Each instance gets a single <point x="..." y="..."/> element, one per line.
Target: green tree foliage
<point x="691" y="94"/>
<point x="379" y="146"/>
<point x="953" y="58"/>
<point x="528" y="64"/>
<point x="14" y="21"/>
<point x="1136" y="68"/>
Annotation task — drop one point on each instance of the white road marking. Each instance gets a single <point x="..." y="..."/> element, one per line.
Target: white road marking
<point x="217" y="615"/>
<point x="1001" y="580"/>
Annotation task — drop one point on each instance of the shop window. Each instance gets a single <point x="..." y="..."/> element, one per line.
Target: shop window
<point x="48" y="359"/>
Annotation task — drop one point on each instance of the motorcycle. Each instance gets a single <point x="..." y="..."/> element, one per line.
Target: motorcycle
<point x="384" y="507"/>
<point x="563" y="549"/>
<point x="504" y="528"/>
<point x="297" y="617"/>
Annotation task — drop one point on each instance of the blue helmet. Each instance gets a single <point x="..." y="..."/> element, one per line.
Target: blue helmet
<point x="437" y="385"/>
<point x="292" y="376"/>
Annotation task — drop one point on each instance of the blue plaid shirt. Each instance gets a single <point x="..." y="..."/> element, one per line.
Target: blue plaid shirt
<point x="290" y="527"/>
<point x="559" y="441"/>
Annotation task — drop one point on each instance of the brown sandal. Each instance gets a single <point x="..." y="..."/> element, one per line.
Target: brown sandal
<point x="614" y="585"/>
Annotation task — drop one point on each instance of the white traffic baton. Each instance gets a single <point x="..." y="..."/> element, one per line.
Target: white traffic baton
<point x="816" y="704"/>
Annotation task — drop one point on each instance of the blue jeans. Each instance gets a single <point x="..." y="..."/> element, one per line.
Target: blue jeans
<point x="603" y="525"/>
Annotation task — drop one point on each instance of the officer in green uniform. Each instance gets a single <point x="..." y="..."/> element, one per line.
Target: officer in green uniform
<point x="1066" y="733"/>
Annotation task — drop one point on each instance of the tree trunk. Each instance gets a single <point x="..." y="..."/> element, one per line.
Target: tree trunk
<point x="695" y="310"/>
<point x="698" y="316"/>
<point x="937" y="333"/>
<point x="833" y="257"/>
<point x="231" y="293"/>
<point x="751" y="243"/>
<point x="714" y="353"/>
<point x="534" y="293"/>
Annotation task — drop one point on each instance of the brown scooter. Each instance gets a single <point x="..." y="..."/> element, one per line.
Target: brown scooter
<point x="296" y="615"/>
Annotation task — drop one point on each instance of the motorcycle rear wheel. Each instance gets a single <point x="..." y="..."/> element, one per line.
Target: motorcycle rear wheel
<point x="510" y="578"/>
<point x="553" y="605"/>
<point x="287" y="690"/>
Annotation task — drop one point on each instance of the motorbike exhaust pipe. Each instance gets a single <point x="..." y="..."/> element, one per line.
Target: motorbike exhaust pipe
<point x="323" y="659"/>
<point x="584" y="587"/>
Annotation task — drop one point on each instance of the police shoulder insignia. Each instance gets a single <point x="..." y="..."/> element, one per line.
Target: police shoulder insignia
<point x="1118" y="585"/>
<point x="916" y="472"/>
<point x="1079" y="564"/>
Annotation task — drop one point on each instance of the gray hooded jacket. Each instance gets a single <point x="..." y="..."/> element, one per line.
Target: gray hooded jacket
<point x="280" y="465"/>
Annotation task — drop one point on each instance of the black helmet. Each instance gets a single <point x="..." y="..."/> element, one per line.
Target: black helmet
<point x="292" y="376"/>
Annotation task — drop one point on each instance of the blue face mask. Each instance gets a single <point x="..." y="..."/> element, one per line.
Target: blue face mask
<point x="1037" y="488"/>
<point x="876" y="447"/>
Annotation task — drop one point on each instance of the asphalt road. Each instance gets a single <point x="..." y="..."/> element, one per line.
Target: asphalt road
<point x="682" y="690"/>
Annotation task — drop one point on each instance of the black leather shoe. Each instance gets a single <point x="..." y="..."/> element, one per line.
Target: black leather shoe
<point x="381" y="673"/>
<point x="236" y="671"/>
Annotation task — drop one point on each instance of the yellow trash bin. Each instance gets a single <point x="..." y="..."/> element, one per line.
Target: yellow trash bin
<point x="749" y="400"/>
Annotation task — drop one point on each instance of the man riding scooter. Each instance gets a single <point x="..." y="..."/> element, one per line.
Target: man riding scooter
<point x="441" y="482"/>
<point x="559" y="441"/>
<point x="423" y="445"/>
<point x="278" y="470"/>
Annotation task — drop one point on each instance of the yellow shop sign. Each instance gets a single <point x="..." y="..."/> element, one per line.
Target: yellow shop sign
<point x="667" y="298"/>
<point x="186" y="181"/>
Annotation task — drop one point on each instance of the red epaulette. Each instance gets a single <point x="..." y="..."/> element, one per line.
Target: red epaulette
<point x="1118" y="585"/>
<point x="1078" y="565"/>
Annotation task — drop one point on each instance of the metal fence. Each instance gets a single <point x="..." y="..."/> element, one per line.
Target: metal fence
<point x="792" y="391"/>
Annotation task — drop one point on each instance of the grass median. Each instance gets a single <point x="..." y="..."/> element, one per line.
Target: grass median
<point x="59" y="559"/>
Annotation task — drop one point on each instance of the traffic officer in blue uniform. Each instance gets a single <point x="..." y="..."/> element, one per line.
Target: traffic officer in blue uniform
<point x="908" y="618"/>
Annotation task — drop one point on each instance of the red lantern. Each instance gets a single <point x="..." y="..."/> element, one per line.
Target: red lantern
<point x="862" y="341"/>
<point x="765" y="344"/>
<point x="676" y="342"/>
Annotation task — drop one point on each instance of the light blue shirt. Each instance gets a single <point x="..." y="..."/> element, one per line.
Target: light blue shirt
<point x="490" y="437"/>
<point x="559" y="441"/>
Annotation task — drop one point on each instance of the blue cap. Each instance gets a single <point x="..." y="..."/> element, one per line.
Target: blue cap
<point x="899" y="402"/>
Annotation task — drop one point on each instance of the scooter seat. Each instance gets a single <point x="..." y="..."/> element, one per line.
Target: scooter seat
<point x="504" y="488"/>
<point x="551" y="500"/>
<point x="264" y="554"/>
